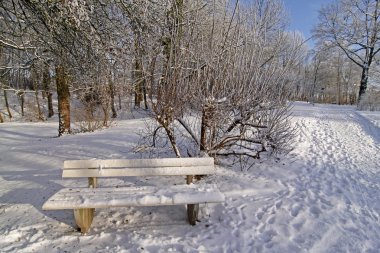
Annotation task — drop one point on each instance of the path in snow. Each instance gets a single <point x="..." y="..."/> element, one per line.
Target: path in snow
<point x="333" y="202"/>
<point x="339" y="185"/>
<point x="325" y="199"/>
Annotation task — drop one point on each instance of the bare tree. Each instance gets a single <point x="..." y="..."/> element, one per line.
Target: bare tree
<point x="63" y="100"/>
<point x="353" y="26"/>
<point x="46" y="83"/>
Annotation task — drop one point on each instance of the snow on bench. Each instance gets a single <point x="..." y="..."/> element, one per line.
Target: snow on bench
<point x="69" y="198"/>
<point x="85" y="200"/>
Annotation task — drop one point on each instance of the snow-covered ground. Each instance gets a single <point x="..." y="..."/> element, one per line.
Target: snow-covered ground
<point x="323" y="197"/>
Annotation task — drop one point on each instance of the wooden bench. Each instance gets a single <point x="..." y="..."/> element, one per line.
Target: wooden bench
<point x="84" y="200"/>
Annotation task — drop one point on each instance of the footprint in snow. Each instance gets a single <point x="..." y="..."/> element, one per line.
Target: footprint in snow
<point x="299" y="240"/>
<point x="259" y="215"/>
<point x="271" y="219"/>
<point x="268" y="235"/>
<point x="269" y="245"/>
<point x="315" y="211"/>
<point x="342" y="221"/>
<point x="261" y="227"/>
<point x="298" y="226"/>
<point x="326" y="202"/>
<point x="295" y="209"/>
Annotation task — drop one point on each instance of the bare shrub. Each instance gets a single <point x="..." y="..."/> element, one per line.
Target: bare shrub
<point x="370" y="101"/>
<point x="86" y="119"/>
<point x="31" y="111"/>
<point x="92" y="111"/>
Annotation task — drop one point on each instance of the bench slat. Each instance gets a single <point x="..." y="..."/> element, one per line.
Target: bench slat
<point x="75" y="198"/>
<point x="131" y="172"/>
<point x="139" y="163"/>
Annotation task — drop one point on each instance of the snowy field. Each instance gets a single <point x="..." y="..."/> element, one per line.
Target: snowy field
<point x="323" y="197"/>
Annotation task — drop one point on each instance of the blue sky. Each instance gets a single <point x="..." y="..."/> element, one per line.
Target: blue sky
<point x="303" y="14"/>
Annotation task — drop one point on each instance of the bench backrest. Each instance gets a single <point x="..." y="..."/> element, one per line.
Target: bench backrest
<point x="139" y="167"/>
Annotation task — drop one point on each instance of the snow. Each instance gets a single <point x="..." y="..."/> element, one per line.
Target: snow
<point x="323" y="197"/>
<point x="74" y="198"/>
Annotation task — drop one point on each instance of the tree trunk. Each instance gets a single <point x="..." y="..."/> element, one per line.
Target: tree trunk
<point x="138" y="77"/>
<point x="1" y="118"/>
<point x="22" y="99"/>
<point x="347" y="84"/>
<point x="46" y="87"/>
<point x="144" y="95"/>
<point x="138" y="94"/>
<point x="203" y="141"/>
<point x="152" y="68"/>
<point x="171" y="137"/>
<point x="338" y="81"/>
<point x="119" y="101"/>
<point x="138" y="87"/>
<point x="35" y="80"/>
<point x="105" y="109"/>
<point x="363" y="83"/>
<point x="312" y="92"/>
<point x="63" y="101"/>
<point x="7" y="104"/>
<point x="40" y="117"/>
<point x="112" y="95"/>
<point x="50" y="104"/>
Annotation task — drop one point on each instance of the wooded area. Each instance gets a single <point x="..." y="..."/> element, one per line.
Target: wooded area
<point x="221" y="72"/>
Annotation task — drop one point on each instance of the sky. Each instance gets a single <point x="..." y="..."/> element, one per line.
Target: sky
<point x="303" y="14"/>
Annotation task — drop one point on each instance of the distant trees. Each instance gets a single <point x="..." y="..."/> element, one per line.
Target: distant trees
<point x="327" y="76"/>
<point x="353" y="26"/>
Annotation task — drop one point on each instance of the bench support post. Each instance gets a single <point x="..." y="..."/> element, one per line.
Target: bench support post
<point x="92" y="182"/>
<point x="83" y="218"/>
<point x="192" y="209"/>
<point x="189" y="179"/>
<point x="192" y="213"/>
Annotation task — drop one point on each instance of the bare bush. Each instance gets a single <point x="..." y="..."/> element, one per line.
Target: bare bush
<point x="93" y="111"/>
<point x="86" y="119"/>
<point x="32" y="113"/>
<point x="370" y="101"/>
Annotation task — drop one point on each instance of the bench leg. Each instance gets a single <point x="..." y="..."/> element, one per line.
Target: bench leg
<point x="192" y="213"/>
<point x="83" y="218"/>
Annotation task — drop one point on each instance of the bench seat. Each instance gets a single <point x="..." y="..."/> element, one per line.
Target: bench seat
<point x="76" y="198"/>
